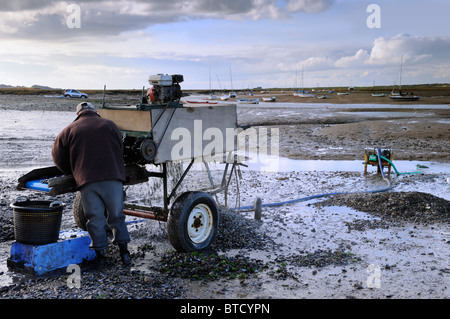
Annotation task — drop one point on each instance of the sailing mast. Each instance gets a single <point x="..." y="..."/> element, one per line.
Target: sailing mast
<point x="211" y="95"/>
<point x="232" y="94"/>
<point x="295" y="81"/>
<point x="401" y="72"/>
<point x="231" y="80"/>
<point x="302" y="94"/>
<point x="303" y="87"/>
<point x="403" y="96"/>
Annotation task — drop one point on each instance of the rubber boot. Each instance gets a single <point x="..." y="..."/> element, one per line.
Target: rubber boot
<point x="125" y="254"/>
<point x="100" y="259"/>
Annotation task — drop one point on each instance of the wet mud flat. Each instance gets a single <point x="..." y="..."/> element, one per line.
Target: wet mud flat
<point x="392" y="244"/>
<point x="330" y="248"/>
<point x="341" y="132"/>
<point x="333" y="131"/>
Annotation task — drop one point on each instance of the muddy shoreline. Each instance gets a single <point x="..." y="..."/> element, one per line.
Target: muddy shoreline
<point x="328" y="248"/>
<point x="313" y="130"/>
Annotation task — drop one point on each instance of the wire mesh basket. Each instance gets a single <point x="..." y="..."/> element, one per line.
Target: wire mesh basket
<point x="37" y="222"/>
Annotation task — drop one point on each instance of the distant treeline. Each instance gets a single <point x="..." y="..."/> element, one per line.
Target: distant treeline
<point x="38" y="90"/>
<point x="41" y="91"/>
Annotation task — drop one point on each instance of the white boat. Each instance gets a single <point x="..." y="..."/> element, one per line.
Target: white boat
<point x="322" y="96"/>
<point x="303" y="94"/>
<point x="248" y="101"/>
<point x="379" y="94"/>
<point x="232" y="94"/>
<point x="225" y="97"/>
<point x="269" y="99"/>
<point x="342" y="93"/>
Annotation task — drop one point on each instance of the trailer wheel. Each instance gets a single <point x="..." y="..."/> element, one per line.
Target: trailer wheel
<point x="193" y="222"/>
<point x="78" y="212"/>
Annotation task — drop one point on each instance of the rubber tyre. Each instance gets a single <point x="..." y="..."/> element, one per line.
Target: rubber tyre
<point x="78" y="212"/>
<point x="193" y="222"/>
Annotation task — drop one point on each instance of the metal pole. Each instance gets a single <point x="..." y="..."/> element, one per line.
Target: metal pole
<point x="145" y="214"/>
<point x="104" y="93"/>
<point x="166" y="200"/>
<point x="181" y="179"/>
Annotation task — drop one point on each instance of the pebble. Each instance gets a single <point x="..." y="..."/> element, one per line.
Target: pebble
<point x="236" y="232"/>
<point x="395" y="207"/>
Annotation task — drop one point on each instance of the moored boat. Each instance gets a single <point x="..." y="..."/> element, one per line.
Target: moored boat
<point x="303" y="94"/>
<point x="405" y="97"/>
<point x="400" y="96"/>
<point x="248" y="101"/>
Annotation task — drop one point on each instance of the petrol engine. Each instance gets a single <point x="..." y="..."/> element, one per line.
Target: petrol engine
<point x="166" y="88"/>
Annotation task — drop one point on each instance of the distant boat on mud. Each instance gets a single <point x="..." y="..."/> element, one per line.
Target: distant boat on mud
<point x="248" y="101"/>
<point x="405" y="97"/>
<point x="379" y="94"/>
<point x="302" y="93"/>
<point x="400" y="96"/>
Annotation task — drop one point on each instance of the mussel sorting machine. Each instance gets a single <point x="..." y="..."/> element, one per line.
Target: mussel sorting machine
<point x="157" y="131"/>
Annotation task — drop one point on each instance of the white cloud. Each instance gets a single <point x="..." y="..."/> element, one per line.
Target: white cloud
<point x="388" y="51"/>
<point x="360" y="57"/>
<point x="415" y="49"/>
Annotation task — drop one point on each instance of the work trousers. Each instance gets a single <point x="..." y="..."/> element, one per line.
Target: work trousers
<point x="103" y="205"/>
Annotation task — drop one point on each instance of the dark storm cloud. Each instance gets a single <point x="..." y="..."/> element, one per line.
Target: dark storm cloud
<point x="20" y="5"/>
<point x="47" y="19"/>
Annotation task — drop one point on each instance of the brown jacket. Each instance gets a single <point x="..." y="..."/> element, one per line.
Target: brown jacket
<point x="91" y="149"/>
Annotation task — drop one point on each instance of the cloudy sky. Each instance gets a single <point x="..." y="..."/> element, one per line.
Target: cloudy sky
<point x="87" y="44"/>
